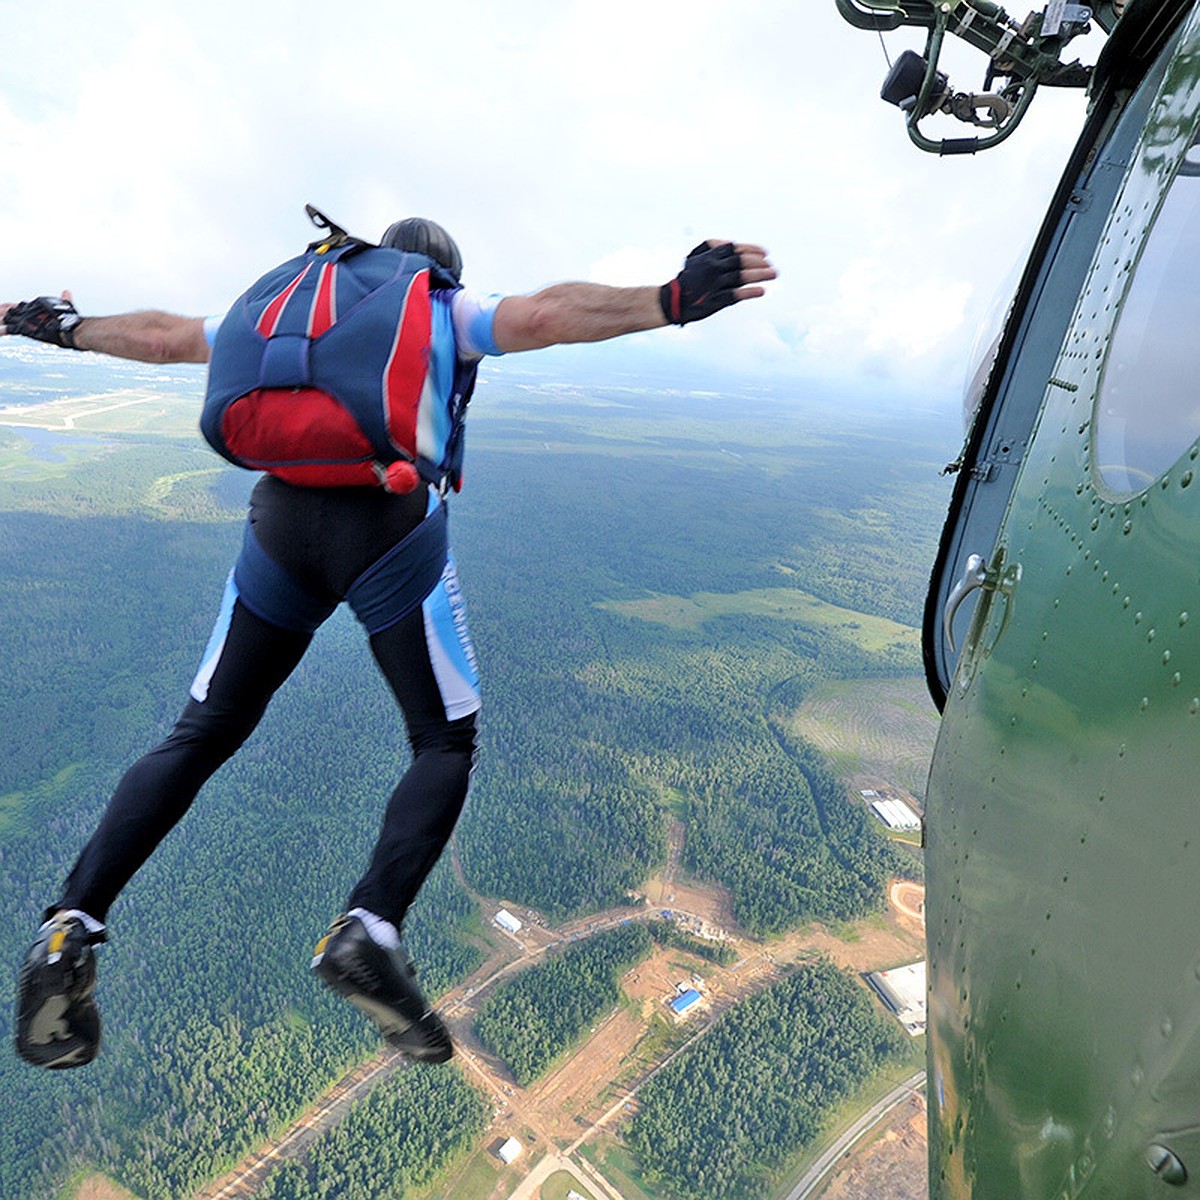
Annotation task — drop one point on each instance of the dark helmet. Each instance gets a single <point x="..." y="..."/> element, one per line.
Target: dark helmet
<point x="423" y="236"/>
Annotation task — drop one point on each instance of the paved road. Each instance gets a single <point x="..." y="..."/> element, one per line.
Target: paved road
<point x="816" y="1174"/>
<point x="580" y="1168"/>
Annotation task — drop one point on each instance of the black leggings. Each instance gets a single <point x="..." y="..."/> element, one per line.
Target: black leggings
<point x="325" y="540"/>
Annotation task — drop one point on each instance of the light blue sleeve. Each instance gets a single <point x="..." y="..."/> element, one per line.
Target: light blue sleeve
<point x="211" y="325"/>
<point x="473" y="317"/>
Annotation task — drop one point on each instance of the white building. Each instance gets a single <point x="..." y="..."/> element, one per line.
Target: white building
<point x="510" y="1151"/>
<point x="895" y="814"/>
<point x="903" y="990"/>
<point x="506" y="920"/>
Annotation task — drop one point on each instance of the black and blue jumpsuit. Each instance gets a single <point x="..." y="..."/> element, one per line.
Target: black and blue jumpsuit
<point x="304" y="551"/>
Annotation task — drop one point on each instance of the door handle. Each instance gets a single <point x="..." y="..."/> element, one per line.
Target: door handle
<point x="973" y="578"/>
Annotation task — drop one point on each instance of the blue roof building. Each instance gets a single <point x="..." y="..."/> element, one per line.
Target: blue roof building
<point x="681" y="1004"/>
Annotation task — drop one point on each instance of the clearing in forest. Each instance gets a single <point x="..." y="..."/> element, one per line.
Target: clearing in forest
<point x="871" y="730"/>
<point x="97" y="1187"/>
<point x="785" y="604"/>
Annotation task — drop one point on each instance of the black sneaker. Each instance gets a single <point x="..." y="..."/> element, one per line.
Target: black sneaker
<point x="58" y="1024"/>
<point x="381" y="983"/>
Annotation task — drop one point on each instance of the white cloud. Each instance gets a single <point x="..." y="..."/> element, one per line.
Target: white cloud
<point x="876" y="315"/>
<point x="153" y="156"/>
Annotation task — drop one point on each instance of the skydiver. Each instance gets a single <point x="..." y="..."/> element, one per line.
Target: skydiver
<point x="349" y="534"/>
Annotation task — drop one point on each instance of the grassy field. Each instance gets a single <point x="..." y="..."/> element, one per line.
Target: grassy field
<point x="561" y="1184"/>
<point x="128" y="410"/>
<point x="472" y="1177"/>
<point x="12" y="804"/>
<point x="871" y="727"/>
<point x="785" y="604"/>
<point x="94" y="1187"/>
<point x="616" y="1164"/>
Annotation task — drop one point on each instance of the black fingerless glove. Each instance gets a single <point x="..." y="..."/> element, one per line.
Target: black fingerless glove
<point x="46" y="319"/>
<point x="705" y="285"/>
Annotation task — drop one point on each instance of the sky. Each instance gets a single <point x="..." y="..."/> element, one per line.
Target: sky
<point x="160" y="156"/>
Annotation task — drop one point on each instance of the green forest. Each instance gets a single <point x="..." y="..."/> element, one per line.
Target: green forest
<point x="599" y="727"/>
<point x="666" y="933"/>
<point x="533" y="1021"/>
<point x="708" y="1130"/>
<point x="416" y="1122"/>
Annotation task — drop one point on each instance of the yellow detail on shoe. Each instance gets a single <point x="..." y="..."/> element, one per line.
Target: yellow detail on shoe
<point x="56" y="942"/>
<point x="321" y="946"/>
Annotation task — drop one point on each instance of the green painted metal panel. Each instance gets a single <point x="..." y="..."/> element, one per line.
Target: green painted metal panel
<point x="1063" y="811"/>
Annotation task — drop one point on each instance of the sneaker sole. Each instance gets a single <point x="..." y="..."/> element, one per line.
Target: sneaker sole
<point x="58" y="1032"/>
<point x="427" y="1039"/>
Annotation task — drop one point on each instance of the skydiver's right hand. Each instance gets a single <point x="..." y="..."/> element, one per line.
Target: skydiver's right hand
<point x="50" y="319"/>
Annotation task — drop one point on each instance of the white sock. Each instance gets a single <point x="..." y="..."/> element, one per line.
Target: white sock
<point x="383" y="933"/>
<point x="87" y="921"/>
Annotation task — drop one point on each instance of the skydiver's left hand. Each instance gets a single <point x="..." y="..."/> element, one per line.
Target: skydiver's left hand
<point x="714" y="276"/>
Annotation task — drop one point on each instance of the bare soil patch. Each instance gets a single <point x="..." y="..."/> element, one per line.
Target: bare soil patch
<point x="908" y="902"/>
<point x="710" y="902"/>
<point x="873" y="945"/>
<point x="578" y="1092"/>
<point x="894" y="1164"/>
<point x="652" y="981"/>
<point x="97" y="1187"/>
<point x="572" y="1094"/>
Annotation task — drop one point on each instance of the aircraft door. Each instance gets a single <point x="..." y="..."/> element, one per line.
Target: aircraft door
<point x="1063" y="810"/>
<point x="1008" y="380"/>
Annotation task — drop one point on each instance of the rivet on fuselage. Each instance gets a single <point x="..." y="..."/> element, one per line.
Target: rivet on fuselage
<point x="1165" y="1163"/>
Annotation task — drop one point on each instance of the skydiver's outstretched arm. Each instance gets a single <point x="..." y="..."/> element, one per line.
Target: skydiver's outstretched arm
<point x="715" y="275"/>
<point x="152" y="336"/>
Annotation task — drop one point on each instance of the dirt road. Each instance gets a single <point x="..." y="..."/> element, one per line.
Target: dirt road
<point x="599" y="1083"/>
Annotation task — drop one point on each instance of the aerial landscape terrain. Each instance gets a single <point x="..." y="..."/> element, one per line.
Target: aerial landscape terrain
<point x="696" y="604"/>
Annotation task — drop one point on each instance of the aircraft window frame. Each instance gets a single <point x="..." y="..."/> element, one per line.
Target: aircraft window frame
<point x="1032" y="342"/>
<point x="1143" y="418"/>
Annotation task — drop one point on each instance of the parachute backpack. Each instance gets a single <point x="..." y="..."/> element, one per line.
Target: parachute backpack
<point x="320" y="373"/>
